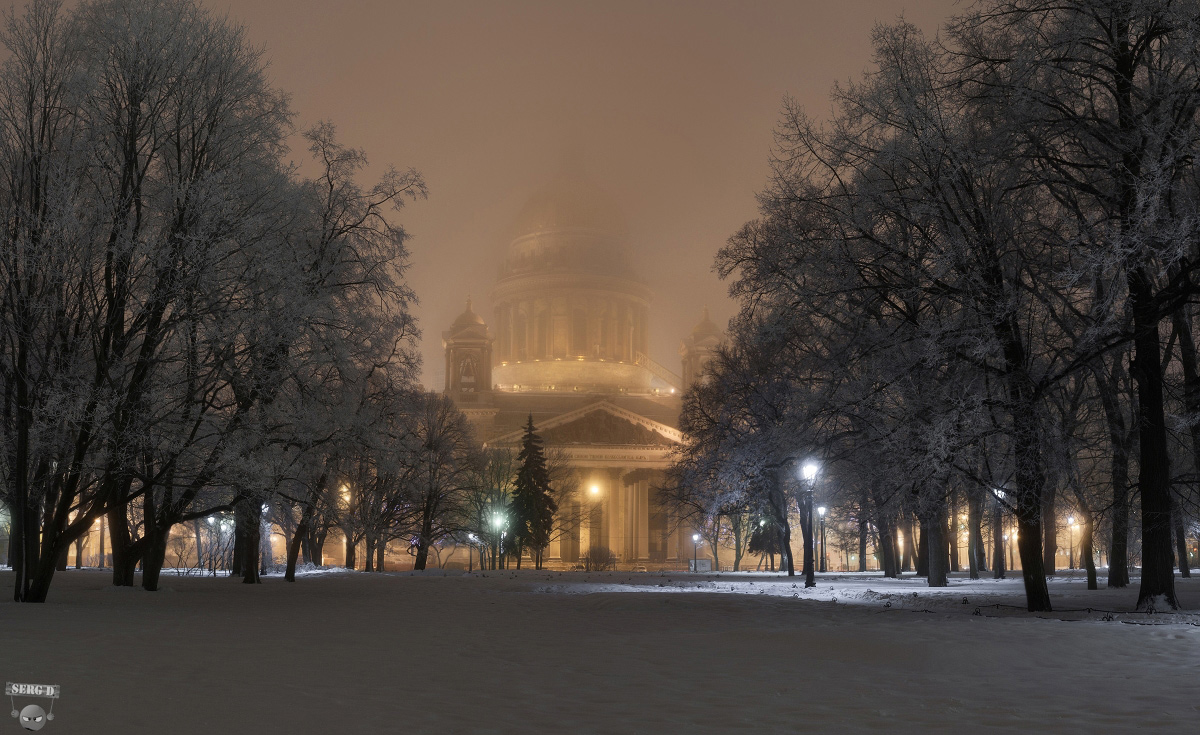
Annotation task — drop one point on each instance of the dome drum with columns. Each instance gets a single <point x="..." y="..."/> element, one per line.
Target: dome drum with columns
<point x="569" y="348"/>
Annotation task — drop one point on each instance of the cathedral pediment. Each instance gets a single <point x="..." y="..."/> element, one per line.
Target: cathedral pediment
<point x="602" y="427"/>
<point x="600" y="424"/>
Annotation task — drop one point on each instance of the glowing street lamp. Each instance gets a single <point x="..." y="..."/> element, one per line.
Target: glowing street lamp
<point x="498" y="526"/>
<point x="809" y="472"/>
<point x="824" y="549"/>
<point x="695" y="552"/>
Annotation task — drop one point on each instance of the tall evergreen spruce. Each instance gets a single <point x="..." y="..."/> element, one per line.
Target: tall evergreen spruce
<point x="533" y="505"/>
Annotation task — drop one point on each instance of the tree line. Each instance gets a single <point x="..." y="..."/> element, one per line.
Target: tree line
<point x="194" y="328"/>
<point x="972" y="289"/>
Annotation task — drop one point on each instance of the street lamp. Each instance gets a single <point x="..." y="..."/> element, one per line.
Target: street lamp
<point x="695" y="552"/>
<point x="824" y="550"/>
<point x="809" y="472"/>
<point x="497" y="525"/>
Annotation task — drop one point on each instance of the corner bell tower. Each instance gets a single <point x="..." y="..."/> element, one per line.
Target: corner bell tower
<point x="468" y="346"/>
<point x="697" y="350"/>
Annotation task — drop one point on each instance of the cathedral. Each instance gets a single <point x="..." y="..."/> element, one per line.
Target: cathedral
<point x="567" y="343"/>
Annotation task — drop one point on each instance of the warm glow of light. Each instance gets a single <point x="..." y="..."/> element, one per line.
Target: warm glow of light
<point x="695" y="538"/>
<point x="810" y="471"/>
<point x="595" y="489"/>
<point x="821" y="511"/>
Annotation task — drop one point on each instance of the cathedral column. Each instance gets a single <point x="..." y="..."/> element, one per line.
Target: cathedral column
<point x="612" y="530"/>
<point x="642" y="500"/>
<point x="629" y="550"/>
<point x="530" y="330"/>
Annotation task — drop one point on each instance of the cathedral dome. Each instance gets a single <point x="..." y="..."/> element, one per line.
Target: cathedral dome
<point x="569" y="203"/>
<point x="569" y="225"/>
<point x="467" y="319"/>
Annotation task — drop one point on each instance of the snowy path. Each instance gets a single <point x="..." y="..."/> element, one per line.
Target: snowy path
<point x="530" y="653"/>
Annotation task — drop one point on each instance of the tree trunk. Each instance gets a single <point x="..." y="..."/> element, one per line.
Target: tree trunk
<point x="923" y="551"/>
<point x="1191" y="400"/>
<point x="299" y="539"/>
<point x="1180" y="535"/>
<point x="1154" y="478"/>
<point x="379" y="549"/>
<point x="955" y="534"/>
<point x="102" y="561"/>
<point x="1029" y="546"/>
<point x="890" y="560"/>
<point x="318" y="546"/>
<point x="1050" y="530"/>
<point x="1120" y="444"/>
<point x="199" y="545"/>
<point x="1087" y="553"/>
<point x="248" y="525"/>
<point x="934" y="527"/>
<point x="154" y="556"/>
<point x="352" y="552"/>
<point x="423" y="550"/>
<point x="369" y="544"/>
<point x="975" y="545"/>
<point x="124" y="554"/>
<point x="862" y="545"/>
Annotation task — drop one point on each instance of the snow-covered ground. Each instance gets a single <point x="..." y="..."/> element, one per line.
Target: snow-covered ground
<point x="550" y="652"/>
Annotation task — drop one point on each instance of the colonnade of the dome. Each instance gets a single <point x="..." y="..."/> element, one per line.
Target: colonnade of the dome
<point x="575" y="326"/>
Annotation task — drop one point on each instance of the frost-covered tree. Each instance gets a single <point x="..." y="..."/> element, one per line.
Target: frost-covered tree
<point x="1105" y="95"/>
<point x="532" y="506"/>
<point x="174" y="303"/>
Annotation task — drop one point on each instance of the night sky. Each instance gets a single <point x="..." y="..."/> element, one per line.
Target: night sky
<point x="671" y="106"/>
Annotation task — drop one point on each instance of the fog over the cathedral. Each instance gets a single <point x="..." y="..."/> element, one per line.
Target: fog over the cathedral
<point x="668" y="112"/>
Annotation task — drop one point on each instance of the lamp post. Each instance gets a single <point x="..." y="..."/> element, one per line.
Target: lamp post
<point x="824" y="550"/>
<point x="695" y="552"/>
<point x="810" y="475"/>
<point x="497" y="524"/>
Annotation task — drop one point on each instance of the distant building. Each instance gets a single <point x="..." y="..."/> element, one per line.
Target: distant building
<point x="568" y="345"/>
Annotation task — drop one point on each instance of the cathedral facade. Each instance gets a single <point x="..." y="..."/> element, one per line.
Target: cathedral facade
<point x="567" y="344"/>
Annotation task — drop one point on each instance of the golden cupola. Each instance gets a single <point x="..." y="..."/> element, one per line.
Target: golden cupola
<point x="569" y="313"/>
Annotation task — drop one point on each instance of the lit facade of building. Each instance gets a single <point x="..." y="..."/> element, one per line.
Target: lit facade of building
<point x="567" y="343"/>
